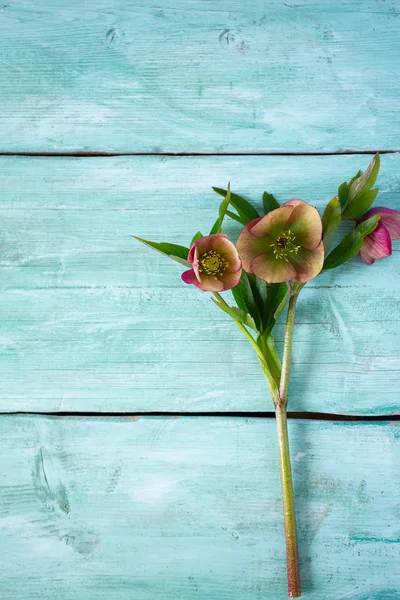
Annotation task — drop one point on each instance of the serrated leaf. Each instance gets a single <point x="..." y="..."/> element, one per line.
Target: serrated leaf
<point x="360" y="195"/>
<point x="197" y="236"/>
<point x="237" y="314"/>
<point x="243" y="207"/>
<point x="174" y="251"/>
<point x="330" y="222"/>
<point x="351" y="244"/>
<point x="269" y="202"/>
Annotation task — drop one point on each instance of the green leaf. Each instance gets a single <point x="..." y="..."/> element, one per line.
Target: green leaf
<point x="343" y="195"/>
<point x="276" y="300"/>
<point x="344" y="190"/>
<point x="351" y="244"/>
<point x="269" y="202"/>
<point x="177" y="253"/>
<point x="267" y="345"/>
<point x="360" y="204"/>
<point x="244" y="298"/>
<point x="366" y="180"/>
<point x="360" y="197"/>
<point x="259" y="289"/>
<point x="217" y="227"/>
<point x="236" y="217"/>
<point x="197" y="236"/>
<point x="225" y="203"/>
<point x="330" y="222"/>
<point x="355" y="177"/>
<point x="244" y="208"/>
<point x="237" y="314"/>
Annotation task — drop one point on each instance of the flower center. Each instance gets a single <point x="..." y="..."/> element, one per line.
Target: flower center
<point x="284" y="245"/>
<point x="212" y="263"/>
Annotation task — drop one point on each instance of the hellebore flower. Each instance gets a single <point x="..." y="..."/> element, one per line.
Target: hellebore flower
<point x="284" y="245"/>
<point x="378" y="244"/>
<point x="216" y="264"/>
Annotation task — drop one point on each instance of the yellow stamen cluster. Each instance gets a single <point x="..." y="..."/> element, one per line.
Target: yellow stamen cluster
<point x="212" y="263"/>
<point x="284" y="245"/>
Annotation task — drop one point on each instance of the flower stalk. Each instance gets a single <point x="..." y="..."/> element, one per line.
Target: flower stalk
<point x="292" y="553"/>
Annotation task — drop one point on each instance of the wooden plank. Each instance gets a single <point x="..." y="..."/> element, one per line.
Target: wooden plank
<point x="202" y="76"/>
<point x="191" y="508"/>
<point x="94" y="321"/>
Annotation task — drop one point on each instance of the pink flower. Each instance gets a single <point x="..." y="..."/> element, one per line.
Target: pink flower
<point x="216" y="264"/>
<point x="284" y="245"/>
<point x="378" y="244"/>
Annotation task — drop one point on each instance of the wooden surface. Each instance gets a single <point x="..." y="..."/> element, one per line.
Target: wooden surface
<point x="130" y="76"/>
<point x="110" y="508"/>
<point x="191" y="508"/>
<point x="98" y="322"/>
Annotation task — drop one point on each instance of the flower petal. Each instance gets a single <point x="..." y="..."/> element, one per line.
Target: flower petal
<point x="194" y="260"/>
<point x="210" y="242"/>
<point x="249" y="246"/>
<point x="273" y="224"/>
<point x="307" y="263"/>
<point x="189" y="277"/>
<point x="306" y="225"/>
<point x="271" y="269"/>
<point x="209" y="283"/>
<point x="293" y="202"/>
<point x="377" y="244"/>
<point x="389" y="217"/>
<point x="228" y="251"/>
<point x="230" y="280"/>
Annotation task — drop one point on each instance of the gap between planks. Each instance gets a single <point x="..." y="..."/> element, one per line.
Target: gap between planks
<point x="312" y="416"/>
<point x="100" y="153"/>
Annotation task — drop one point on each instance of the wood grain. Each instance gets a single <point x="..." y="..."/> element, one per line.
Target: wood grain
<point x="191" y="508"/>
<point x="94" y="321"/>
<point x="124" y="76"/>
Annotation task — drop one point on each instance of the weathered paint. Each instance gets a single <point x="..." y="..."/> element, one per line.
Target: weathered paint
<point x="191" y="508"/>
<point x="113" y="75"/>
<point x="97" y="322"/>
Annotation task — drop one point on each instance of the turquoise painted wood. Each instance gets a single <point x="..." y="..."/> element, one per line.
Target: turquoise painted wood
<point x="94" y="321"/>
<point x="112" y="75"/>
<point x="190" y="508"/>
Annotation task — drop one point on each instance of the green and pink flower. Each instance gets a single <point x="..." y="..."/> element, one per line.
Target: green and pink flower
<point x="216" y="264"/>
<point x="378" y="244"/>
<point x="285" y="245"/>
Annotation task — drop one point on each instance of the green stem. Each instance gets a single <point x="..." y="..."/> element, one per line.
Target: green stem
<point x="287" y="350"/>
<point x="292" y="555"/>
